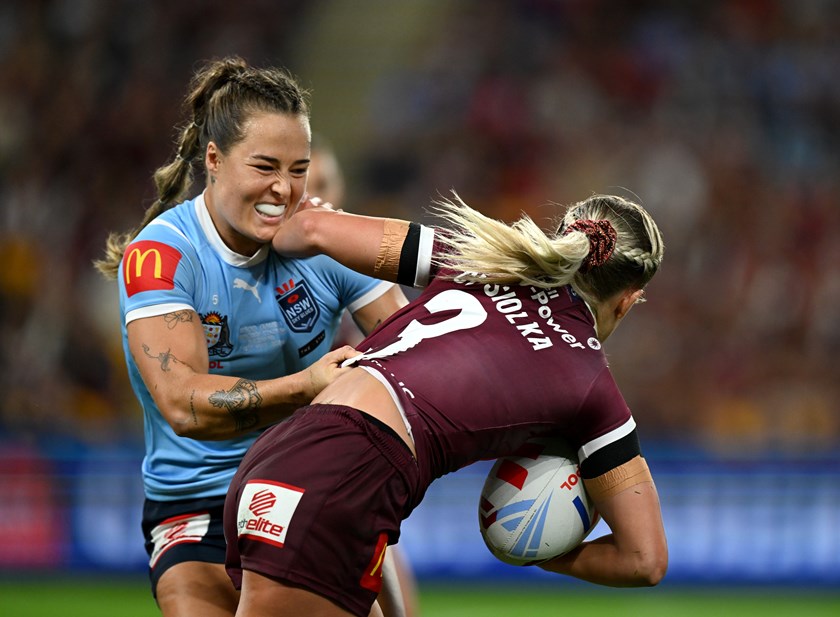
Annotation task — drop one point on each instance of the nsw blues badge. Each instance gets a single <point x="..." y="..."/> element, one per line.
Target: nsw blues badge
<point x="298" y="306"/>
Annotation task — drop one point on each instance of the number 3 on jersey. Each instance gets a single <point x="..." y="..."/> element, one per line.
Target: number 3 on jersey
<point x="471" y="315"/>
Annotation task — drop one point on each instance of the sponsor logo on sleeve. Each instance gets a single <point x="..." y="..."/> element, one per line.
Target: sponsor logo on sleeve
<point x="148" y="266"/>
<point x="266" y="509"/>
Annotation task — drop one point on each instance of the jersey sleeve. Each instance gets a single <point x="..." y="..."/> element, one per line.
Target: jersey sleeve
<point x="351" y="289"/>
<point x="157" y="273"/>
<point x="605" y="428"/>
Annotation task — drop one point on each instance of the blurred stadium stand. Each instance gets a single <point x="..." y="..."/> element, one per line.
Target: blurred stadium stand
<point x="722" y="117"/>
<point x="728" y="523"/>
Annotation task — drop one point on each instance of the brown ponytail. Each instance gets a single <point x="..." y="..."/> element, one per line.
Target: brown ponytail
<point x="223" y="94"/>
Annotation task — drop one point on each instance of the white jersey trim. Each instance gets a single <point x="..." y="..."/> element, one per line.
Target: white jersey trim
<point x="381" y="379"/>
<point x="228" y="256"/>
<point x="156" y="310"/>
<point x="424" y="256"/>
<point x="380" y="290"/>
<point x="589" y="448"/>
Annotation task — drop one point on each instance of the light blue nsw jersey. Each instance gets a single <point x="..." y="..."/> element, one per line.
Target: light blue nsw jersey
<point x="264" y="317"/>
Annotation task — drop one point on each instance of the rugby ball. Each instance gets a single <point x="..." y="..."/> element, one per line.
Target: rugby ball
<point x="533" y="505"/>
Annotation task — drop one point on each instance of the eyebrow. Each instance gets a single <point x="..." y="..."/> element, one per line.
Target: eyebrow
<point x="275" y="161"/>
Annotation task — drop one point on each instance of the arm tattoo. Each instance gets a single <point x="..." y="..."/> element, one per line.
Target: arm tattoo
<point x="166" y="359"/>
<point x="192" y="408"/>
<point x="242" y="402"/>
<point x="173" y="319"/>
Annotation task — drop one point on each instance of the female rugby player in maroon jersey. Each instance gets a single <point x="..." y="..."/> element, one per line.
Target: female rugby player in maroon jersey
<point x="504" y="344"/>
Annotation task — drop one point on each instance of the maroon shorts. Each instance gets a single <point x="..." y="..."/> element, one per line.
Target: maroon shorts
<point x="315" y="502"/>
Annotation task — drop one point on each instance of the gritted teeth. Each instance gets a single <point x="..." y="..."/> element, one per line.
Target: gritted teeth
<point x="271" y="209"/>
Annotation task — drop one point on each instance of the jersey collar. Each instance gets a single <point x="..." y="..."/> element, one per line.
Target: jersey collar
<point x="211" y="233"/>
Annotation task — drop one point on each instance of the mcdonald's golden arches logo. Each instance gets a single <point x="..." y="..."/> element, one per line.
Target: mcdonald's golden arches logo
<point x="149" y="265"/>
<point x="372" y="576"/>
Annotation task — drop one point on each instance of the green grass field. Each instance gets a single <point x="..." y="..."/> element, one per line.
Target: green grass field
<point x="130" y="598"/>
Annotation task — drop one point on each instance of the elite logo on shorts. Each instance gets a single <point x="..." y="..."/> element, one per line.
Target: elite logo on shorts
<point x="149" y="265"/>
<point x="266" y="509"/>
<point x="298" y="305"/>
<point x="178" y="530"/>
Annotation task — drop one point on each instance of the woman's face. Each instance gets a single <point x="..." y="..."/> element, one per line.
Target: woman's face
<point x="252" y="184"/>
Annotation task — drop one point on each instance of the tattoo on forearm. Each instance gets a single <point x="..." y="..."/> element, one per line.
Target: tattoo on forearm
<point x="192" y="408"/>
<point x="242" y="402"/>
<point x="166" y="359"/>
<point x="173" y="319"/>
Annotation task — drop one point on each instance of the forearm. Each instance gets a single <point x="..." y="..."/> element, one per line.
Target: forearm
<point x="601" y="562"/>
<point x="635" y="554"/>
<point x="215" y="407"/>
<point x="170" y="353"/>
<point x="353" y="240"/>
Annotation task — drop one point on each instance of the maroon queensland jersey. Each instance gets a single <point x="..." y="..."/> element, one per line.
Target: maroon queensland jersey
<point x="481" y="368"/>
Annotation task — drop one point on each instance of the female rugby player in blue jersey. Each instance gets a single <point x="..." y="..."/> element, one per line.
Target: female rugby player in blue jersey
<point x="452" y="378"/>
<point x="222" y="336"/>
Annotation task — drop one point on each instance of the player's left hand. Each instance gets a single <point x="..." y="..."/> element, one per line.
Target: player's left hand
<point x="315" y="203"/>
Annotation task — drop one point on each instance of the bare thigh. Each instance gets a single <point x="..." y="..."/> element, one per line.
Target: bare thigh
<point x="265" y="596"/>
<point x="196" y="588"/>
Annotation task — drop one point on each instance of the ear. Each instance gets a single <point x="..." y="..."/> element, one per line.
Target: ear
<point x="212" y="157"/>
<point x="628" y="298"/>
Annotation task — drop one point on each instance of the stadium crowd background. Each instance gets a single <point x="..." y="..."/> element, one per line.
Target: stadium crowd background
<point x="723" y="118"/>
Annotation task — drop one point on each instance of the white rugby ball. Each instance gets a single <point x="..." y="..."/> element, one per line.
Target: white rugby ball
<point x="533" y="506"/>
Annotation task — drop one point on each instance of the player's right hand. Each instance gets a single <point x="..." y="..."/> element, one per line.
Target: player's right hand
<point x="328" y="368"/>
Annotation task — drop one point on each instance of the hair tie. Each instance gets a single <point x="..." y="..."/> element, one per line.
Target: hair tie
<point x="602" y="238"/>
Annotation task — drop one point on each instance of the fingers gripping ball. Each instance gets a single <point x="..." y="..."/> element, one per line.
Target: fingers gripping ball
<point x="533" y="506"/>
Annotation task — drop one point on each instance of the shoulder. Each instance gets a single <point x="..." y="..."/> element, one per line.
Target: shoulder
<point x="176" y="223"/>
<point x="174" y="228"/>
<point x="162" y="249"/>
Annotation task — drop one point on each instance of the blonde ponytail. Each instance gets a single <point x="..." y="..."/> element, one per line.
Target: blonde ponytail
<point x="483" y="249"/>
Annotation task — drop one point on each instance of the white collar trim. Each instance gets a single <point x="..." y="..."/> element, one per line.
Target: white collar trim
<point x="212" y="234"/>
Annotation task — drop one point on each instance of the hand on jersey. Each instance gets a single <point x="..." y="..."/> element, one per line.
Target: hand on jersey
<point x="328" y="368"/>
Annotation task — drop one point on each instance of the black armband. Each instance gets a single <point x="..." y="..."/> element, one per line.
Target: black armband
<point x="408" y="256"/>
<point x="611" y="456"/>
